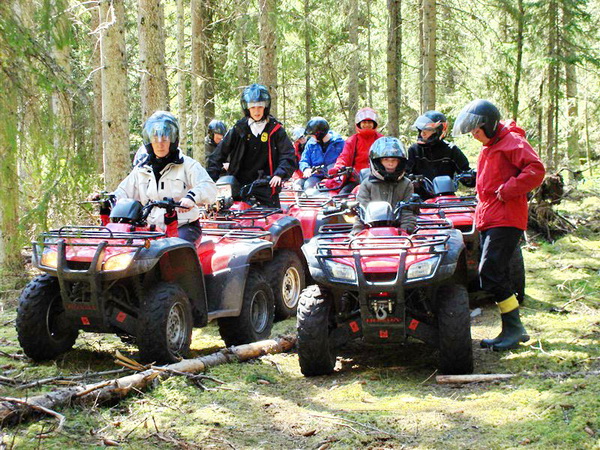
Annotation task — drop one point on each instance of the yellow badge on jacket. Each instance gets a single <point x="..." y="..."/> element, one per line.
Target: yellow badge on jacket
<point x="264" y="137"/>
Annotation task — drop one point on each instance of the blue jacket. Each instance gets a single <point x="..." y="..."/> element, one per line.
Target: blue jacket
<point x="313" y="156"/>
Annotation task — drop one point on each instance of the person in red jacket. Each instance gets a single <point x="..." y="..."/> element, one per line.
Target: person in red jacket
<point x="508" y="169"/>
<point x="356" y="149"/>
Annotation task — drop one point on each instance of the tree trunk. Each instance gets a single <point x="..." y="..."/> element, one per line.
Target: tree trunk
<point x="394" y="68"/>
<point x="354" y="64"/>
<point x="112" y="390"/>
<point x="307" y="63"/>
<point x="10" y="245"/>
<point x="154" y="91"/>
<point x="198" y="78"/>
<point x="96" y="85"/>
<point x="115" y="112"/>
<point x="428" y="55"/>
<point x="209" y="92"/>
<point x="241" y="49"/>
<point x="182" y="77"/>
<point x="552" y="81"/>
<point x="62" y="106"/>
<point x="519" y="63"/>
<point x="268" y="49"/>
<point x="573" y="126"/>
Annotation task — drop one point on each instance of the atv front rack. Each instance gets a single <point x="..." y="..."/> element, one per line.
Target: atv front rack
<point x="99" y="232"/>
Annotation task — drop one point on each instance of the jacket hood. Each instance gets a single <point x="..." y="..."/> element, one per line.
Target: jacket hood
<point x="505" y="127"/>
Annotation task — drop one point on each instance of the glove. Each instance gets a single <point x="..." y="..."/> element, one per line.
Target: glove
<point x="333" y="171"/>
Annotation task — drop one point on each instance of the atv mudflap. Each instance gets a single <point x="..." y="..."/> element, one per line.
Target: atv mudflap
<point x="389" y="324"/>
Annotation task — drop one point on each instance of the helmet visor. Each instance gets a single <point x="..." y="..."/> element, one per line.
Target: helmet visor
<point x="425" y="123"/>
<point x="467" y="122"/>
<point x="159" y="131"/>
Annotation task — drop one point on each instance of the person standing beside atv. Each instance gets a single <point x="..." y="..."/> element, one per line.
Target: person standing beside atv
<point x="216" y="131"/>
<point x="508" y="169"/>
<point x="356" y="150"/>
<point x="256" y="145"/>
<point x="432" y="155"/>
<point x="322" y="149"/>
<point x="387" y="161"/>
<point x="166" y="172"/>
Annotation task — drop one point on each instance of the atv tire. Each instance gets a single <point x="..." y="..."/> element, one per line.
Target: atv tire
<point x="165" y="324"/>
<point x="42" y="328"/>
<point x="256" y="317"/>
<point x="316" y="353"/>
<point x="286" y="277"/>
<point x="517" y="274"/>
<point x="454" y="327"/>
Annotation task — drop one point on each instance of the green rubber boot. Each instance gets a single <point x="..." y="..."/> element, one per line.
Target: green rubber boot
<point x="513" y="332"/>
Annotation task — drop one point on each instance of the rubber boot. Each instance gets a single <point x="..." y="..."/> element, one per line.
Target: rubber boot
<point x="513" y="332"/>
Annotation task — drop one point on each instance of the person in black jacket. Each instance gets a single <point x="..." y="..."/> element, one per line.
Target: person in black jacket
<point x="216" y="132"/>
<point x="432" y="156"/>
<point x="257" y="145"/>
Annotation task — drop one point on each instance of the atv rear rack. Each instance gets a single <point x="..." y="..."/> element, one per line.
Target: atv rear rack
<point x="236" y="231"/>
<point x="253" y="213"/>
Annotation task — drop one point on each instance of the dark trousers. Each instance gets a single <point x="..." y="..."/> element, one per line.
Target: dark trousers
<point x="497" y="247"/>
<point x="190" y="231"/>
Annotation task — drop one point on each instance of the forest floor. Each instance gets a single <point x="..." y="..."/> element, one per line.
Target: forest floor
<point x="379" y="398"/>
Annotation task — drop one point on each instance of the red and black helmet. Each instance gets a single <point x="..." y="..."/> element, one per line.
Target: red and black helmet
<point x="431" y="121"/>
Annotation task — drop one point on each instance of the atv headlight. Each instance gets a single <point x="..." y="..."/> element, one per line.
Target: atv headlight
<point x="118" y="262"/>
<point x="422" y="269"/>
<point x="340" y="271"/>
<point x="49" y="258"/>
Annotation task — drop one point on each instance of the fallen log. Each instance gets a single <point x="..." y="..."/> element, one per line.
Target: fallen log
<point x="13" y="411"/>
<point x="487" y="377"/>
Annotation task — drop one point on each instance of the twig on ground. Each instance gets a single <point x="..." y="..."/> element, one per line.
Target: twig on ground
<point x="429" y="377"/>
<point x="541" y="349"/>
<point x="84" y="376"/>
<point x="61" y="419"/>
<point x="13" y="356"/>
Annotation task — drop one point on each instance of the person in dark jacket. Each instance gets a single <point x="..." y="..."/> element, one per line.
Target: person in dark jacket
<point x="387" y="161"/>
<point x="322" y="149"/>
<point x="257" y="145"/>
<point x="216" y="132"/>
<point x="432" y="155"/>
<point x="508" y="168"/>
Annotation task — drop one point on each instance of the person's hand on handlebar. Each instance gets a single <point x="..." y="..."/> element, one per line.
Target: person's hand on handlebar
<point x="275" y="181"/>
<point x="185" y="204"/>
<point x="307" y="172"/>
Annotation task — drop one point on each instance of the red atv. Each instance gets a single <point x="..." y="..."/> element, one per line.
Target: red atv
<point x="144" y="284"/>
<point x="444" y="203"/>
<point x="383" y="286"/>
<point x="243" y="212"/>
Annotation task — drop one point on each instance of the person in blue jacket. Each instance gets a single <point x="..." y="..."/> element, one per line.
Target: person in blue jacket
<point x="322" y="149"/>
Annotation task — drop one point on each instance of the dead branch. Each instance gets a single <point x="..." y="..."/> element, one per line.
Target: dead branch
<point x="59" y="378"/>
<point x="61" y="419"/>
<point x="14" y="411"/>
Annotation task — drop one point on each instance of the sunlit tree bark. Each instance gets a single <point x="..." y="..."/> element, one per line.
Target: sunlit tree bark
<point x="268" y="49"/>
<point x="115" y="112"/>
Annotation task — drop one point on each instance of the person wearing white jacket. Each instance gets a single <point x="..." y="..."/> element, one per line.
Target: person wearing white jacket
<point x="167" y="172"/>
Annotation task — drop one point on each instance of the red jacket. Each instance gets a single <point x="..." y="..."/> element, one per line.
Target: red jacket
<point x="356" y="150"/>
<point x="508" y="166"/>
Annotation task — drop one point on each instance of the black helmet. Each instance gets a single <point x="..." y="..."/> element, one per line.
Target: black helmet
<point x="216" y="126"/>
<point x="387" y="147"/>
<point x="255" y="95"/>
<point x="318" y="127"/>
<point x="431" y="121"/>
<point x="478" y="113"/>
